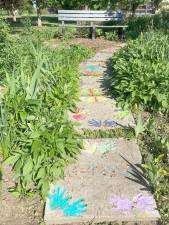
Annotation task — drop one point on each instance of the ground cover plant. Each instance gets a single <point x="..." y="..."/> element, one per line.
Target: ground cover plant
<point x="37" y="139"/>
<point x="140" y="82"/>
<point x="154" y="143"/>
<point x="141" y="73"/>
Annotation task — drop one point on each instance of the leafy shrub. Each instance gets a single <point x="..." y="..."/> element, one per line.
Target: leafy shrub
<point x="141" y="73"/>
<point x="37" y="138"/>
<point x="137" y="25"/>
<point x="154" y="143"/>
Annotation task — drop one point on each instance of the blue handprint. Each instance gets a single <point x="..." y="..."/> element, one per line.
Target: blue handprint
<point x="110" y="123"/>
<point x="57" y="199"/>
<point x="95" y="123"/>
<point x="76" y="208"/>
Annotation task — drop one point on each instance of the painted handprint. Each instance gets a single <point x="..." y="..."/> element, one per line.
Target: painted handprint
<point x="57" y="199"/>
<point x="76" y="208"/>
<point x="95" y="123"/>
<point x="109" y="123"/>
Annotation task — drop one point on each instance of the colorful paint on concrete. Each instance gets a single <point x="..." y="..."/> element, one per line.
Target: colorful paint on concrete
<point x="101" y="146"/>
<point x="59" y="200"/>
<point x="105" y="166"/>
<point x="143" y="203"/>
<point x="91" y="69"/>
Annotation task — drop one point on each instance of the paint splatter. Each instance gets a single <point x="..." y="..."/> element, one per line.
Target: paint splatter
<point x="78" y="117"/>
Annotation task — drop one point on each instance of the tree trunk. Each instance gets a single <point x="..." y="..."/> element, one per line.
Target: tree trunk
<point x="39" y="17"/>
<point x="38" y="8"/>
<point x="13" y="12"/>
<point x="133" y="9"/>
<point x="86" y="7"/>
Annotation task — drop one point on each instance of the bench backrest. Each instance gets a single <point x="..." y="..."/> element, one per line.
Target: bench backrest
<point x="89" y="15"/>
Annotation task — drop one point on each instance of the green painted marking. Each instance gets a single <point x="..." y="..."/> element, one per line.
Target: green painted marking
<point x="122" y="114"/>
<point x="101" y="147"/>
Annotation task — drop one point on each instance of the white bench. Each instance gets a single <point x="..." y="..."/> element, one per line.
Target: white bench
<point x="91" y="16"/>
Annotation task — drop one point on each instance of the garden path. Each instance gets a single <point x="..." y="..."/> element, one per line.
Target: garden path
<point x="107" y="173"/>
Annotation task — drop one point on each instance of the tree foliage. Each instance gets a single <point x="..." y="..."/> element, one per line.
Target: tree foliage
<point x="156" y="3"/>
<point x="131" y="4"/>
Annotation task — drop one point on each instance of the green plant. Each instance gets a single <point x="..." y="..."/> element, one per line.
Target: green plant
<point x="114" y="133"/>
<point x="4" y="31"/>
<point x="156" y="174"/>
<point x="140" y="126"/>
<point x="37" y="138"/>
<point x="154" y="143"/>
<point x="111" y="36"/>
<point x="99" y="32"/>
<point x="27" y="24"/>
<point x="141" y="73"/>
<point x="138" y="25"/>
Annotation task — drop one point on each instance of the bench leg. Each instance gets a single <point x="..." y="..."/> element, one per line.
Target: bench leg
<point x="121" y="33"/>
<point x="93" y="31"/>
<point x="63" y="29"/>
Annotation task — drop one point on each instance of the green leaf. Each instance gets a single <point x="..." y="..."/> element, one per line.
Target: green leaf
<point x="45" y="189"/>
<point x="41" y="173"/>
<point x="140" y="127"/>
<point x="11" y="160"/>
<point x="28" y="166"/>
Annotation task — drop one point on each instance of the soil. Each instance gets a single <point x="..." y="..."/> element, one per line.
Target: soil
<point x="97" y="44"/>
<point x="17" y="211"/>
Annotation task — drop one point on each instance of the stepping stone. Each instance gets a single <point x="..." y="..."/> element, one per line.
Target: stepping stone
<point x="112" y="49"/>
<point x="111" y="184"/>
<point x="92" y="68"/>
<point x="93" y="86"/>
<point x="100" y="113"/>
<point x="101" y="57"/>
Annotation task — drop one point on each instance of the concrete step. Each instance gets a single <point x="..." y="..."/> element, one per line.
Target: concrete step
<point x="93" y="68"/>
<point x="101" y="57"/>
<point x="108" y="177"/>
<point x="94" y="86"/>
<point x="101" y="113"/>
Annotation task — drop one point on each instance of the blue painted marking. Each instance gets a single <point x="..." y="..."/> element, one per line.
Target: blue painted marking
<point x="109" y="123"/>
<point x="58" y="199"/>
<point x="95" y="123"/>
<point x="94" y="68"/>
<point x="76" y="208"/>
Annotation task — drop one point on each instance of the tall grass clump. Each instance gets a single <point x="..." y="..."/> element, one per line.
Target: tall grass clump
<point x="37" y="139"/>
<point x="141" y="73"/>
